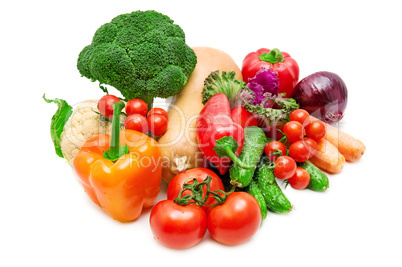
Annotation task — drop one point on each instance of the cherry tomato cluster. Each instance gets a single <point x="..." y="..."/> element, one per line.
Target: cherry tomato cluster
<point x="183" y="226"/>
<point x="138" y="118"/>
<point x="302" y="136"/>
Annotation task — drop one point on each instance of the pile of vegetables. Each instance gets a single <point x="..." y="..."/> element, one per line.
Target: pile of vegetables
<point x="228" y="137"/>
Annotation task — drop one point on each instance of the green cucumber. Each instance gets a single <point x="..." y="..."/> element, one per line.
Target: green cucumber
<point x="255" y="191"/>
<point x="254" y="144"/>
<point x="275" y="199"/>
<point x="318" y="180"/>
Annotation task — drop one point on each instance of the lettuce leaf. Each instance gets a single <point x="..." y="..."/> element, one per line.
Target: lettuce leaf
<point x="58" y="121"/>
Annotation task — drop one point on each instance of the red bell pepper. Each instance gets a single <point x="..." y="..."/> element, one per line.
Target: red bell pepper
<point x="219" y="138"/>
<point x="281" y="62"/>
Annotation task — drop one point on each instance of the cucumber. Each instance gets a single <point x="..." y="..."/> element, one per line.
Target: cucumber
<point x="254" y="143"/>
<point x="275" y="199"/>
<point x="318" y="180"/>
<point x="255" y="191"/>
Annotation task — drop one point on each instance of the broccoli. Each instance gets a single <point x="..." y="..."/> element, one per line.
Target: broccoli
<point x="142" y="54"/>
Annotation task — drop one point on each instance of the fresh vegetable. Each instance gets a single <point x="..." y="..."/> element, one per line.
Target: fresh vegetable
<point x="275" y="199"/>
<point x="301" y="116"/>
<point x="159" y="111"/>
<point x="322" y="94"/>
<point x="157" y="124"/>
<point x="59" y="119"/>
<point x="236" y="220"/>
<point x="350" y="147"/>
<point x="294" y="131"/>
<point x="105" y="105"/>
<point x="178" y="226"/>
<point x="327" y="157"/>
<point x="136" y="106"/>
<point x="136" y="122"/>
<point x="254" y="144"/>
<point x="315" y="130"/>
<point x="241" y="116"/>
<point x="299" y="151"/>
<point x="142" y="54"/>
<point x="318" y="180"/>
<point x="264" y="83"/>
<point x="285" y="167"/>
<point x="274" y="149"/>
<point x="200" y="174"/>
<point x="115" y="175"/>
<point x="225" y="83"/>
<point x="311" y="144"/>
<point x="255" y="191"/>
<point x="280" y="62"/>
<point x="218" y="137"/>
<point x="179" y="144"/>
<point x="300" y="180"/>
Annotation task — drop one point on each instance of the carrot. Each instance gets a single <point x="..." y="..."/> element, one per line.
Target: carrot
<point x="327" y="157"/>
<point x="351" y="148"/>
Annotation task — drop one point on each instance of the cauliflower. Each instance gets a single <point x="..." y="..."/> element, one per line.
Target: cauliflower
<point x="83" y="124"/>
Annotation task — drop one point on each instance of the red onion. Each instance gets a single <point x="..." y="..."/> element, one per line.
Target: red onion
<point x="322" y="94"/>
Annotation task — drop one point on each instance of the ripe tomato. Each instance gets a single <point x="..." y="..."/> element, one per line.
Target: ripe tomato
<point x="136" y="106"/>
<point x="236" y="220"/>
<point x="299" y="151"/>
<point x="159" y="111"/>
<point x="157" y="124"/>
<point x="285" y="167"/>
<point x="315" y="130"/>
<point x="242" y="117"/>
<point x="136" y="122"/>
<point x="294" y="131"/>
<point x="200" y="174"/>
<point x="300" y="115"/>
<point x="105" y="105"/>
<point x="300" y="179"/>
<point x="177" y="226"/>
<point x="311" y="144"/>
<point x="272" y="147"/>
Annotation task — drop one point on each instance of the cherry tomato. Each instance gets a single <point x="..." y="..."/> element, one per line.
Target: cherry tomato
<point x="311" y="144"/>
<point x="294" y="131"/>
<point x="136" y="122"/>
<point x="300" y="115"/>
<point x="285" y="167"/>
<point x="136" y="106"/>
<point x="177" y="226"/>
<point x="274" y="146"/>
<point x="236" y="220"/>
<point x="244" y="118"/>
<point x="157" y="124"/>
<point x="159" y="111"/>
<point x="300" y="179"/>
<point x="200" y="174"/>
<point x="105" y="105"/>
<point x="315" y="130"/>
<point x="299" y="151"/>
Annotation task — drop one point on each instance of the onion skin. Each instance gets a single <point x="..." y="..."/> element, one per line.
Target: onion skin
<point x="323" y="94"/>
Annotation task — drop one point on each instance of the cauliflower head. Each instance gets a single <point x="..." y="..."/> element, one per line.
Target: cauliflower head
<point x="83" y="124"/>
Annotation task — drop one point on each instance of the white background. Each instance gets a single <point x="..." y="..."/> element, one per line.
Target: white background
<point x="46" y="218"/>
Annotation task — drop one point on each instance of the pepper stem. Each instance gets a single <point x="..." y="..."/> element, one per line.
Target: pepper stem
<point x="274" y="56"/>
<point x="116" y="150"/>
<point x="226" y="147"/>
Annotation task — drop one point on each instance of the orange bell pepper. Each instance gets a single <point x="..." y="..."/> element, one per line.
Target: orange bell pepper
<point x="128" y="181"/>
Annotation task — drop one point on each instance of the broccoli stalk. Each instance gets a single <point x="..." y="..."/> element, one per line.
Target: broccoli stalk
<point x="142" y="54"/>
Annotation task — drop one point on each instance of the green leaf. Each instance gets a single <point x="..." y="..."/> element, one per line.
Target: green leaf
<point x="58" y="121"/>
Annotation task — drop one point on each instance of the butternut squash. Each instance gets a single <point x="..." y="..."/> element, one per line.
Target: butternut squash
<point x="179" y="144"/>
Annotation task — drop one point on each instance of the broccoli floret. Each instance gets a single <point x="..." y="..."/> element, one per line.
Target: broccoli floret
<point x="222" y="83"/>
<point x="142" y="54"/>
